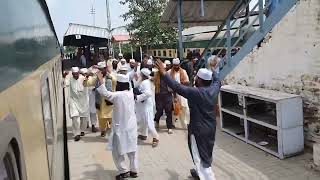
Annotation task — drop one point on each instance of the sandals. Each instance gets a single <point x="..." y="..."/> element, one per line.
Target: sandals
<point x="155" y="142"/>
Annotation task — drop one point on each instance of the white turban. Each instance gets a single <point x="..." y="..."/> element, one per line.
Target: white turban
<point x="145" y="72"/>
<point x="176" y="61"/>
<point x="75" y="69"/>
<point x="123" y="68"/>
<point x="122" y="78"/>
<point x="84" y="70"/>
<point x="90" y="70"/>
<point x="211" y="59"/>
<point x="120" y="55"/>
<point x="167" y="62"/>
<point x="102" y="64"/>
<point x="123" y="60"/>
<point x="132" y="61"/>
<point x="205" y="74"/>
<point x="149" y="62"/>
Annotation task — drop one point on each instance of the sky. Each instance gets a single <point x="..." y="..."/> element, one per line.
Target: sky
<point x="64" y="12"/>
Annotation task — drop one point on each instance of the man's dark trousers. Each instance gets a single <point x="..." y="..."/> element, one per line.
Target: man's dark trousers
<point x="164" y="102"/>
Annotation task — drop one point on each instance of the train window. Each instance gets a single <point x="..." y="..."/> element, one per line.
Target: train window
<point x="170" y="53"/>
<point x="7" y="169"/>
<point x="47" y="118"/>
<point x="164" y="53"/>
<point x="159" y="53"/>
<point x="154" y="53"/>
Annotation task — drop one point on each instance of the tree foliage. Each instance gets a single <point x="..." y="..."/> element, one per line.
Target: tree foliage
<point x="145" y="28"/>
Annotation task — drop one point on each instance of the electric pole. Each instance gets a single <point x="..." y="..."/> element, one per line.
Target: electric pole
<point x="109" y="27"/>
<point x="93" y="13"/>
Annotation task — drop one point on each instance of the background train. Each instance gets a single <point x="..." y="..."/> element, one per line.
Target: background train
<point x="32" y="139"/>
<point x="198" y="38"/>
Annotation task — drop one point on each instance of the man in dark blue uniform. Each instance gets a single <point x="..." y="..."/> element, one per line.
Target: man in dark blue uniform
<point x="202" y="101"/>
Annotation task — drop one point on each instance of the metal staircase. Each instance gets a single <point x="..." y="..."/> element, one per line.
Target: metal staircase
<point x="249" y="22"/>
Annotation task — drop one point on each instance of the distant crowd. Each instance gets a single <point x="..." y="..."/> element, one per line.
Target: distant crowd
<point x="125" y="100"/>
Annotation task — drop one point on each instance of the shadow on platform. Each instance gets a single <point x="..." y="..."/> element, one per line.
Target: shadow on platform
<point x="98" y="173"/>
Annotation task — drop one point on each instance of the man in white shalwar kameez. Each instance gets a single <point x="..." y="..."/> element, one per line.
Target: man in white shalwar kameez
<point x="78" y="104"/>
<point x="92" y="103"/>
<point x="123" y="136"/>
<point x="84" y="74"/>
<point x="144" y="109"/>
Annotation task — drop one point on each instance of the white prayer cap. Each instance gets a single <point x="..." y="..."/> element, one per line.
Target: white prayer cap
<point x="145" y="72"/>
<point x="205" y="74"/>
<point x="123" y="78"/>
<point x="211" y="58"/>
<point x="84" y="70"/>
<point x="167" y="62"/>
<point x="75" y="69"/>
<point x="90" y="70"/>
<point x="157" y="70"/>
<point x="149" y="62"/>
<point x="151" y="57"/>
<point x="123" y="68"/>
<point x="120" y="55"/>
<point x="102" y="64"/>
<point x="176" y="61"/>
<point x="132" y="61"/>
<point x="123" y="60"/>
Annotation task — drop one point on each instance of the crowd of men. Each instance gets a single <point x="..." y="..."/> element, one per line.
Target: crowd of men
<point x="127" y="99"/>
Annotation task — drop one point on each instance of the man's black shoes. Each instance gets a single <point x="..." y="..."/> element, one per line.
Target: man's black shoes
<point x="133" y="174"/>
<point x="194" y="174"/>
<point x="77" y="138"/>
<point x="123" y="176"/>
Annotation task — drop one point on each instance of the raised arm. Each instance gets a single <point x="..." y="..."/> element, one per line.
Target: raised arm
<point x="216" y="83"/>
<point x="185" y="91"/>
<point x="91" y="81"/>
<point x="110" y="96"/>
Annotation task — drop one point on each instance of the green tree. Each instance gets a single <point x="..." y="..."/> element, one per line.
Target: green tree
<point x="145" y="28"/>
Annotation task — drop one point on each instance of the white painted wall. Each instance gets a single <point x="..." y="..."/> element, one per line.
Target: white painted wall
<point x="290" y="61"/>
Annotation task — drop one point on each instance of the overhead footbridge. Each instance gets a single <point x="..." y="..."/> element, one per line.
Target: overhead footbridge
<point x="247" y="21"/>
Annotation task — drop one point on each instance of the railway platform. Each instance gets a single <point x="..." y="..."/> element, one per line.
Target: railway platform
<point x="233" y="160"/>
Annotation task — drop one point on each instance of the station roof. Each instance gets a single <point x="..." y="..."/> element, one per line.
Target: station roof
<point x="215" y="12"/>
<point x="80" y="35"/>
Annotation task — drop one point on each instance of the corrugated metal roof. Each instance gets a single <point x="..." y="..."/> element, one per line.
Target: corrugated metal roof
<point x="92" y="31"/>
<point x="215" y="12"/>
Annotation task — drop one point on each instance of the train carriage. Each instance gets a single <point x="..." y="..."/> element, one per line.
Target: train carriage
<point x="32" y="142"/>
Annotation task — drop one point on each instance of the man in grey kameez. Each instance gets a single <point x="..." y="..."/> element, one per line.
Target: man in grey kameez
<point x="202" y="100"/>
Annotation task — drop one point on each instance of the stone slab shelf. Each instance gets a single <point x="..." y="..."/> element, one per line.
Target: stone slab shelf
<point x="269" y="120"/>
